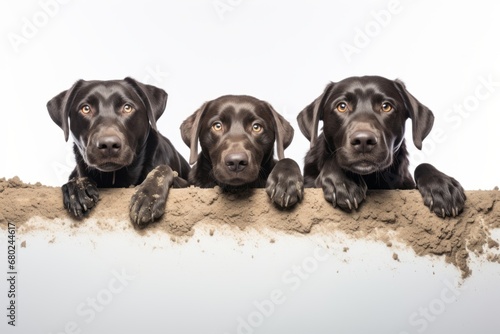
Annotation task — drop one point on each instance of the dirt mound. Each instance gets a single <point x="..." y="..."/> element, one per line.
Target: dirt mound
<point x="386" y="215"/>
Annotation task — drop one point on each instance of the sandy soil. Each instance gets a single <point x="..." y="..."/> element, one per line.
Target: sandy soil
<point x="385" y="216"/>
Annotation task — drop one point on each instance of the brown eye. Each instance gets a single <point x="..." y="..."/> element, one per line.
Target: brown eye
<point x="85" y="109"/>
<point x="342" y="107"/>
<point x="386" y="107"/>
<point x="127" y="108"/>
<point x="257" y="127"/>
<point x="217" y="126"/>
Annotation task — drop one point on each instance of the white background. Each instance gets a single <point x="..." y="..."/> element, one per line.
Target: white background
<point x="283" y="52"/>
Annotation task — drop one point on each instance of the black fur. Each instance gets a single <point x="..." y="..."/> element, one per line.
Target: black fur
<point x="116" y="144"/>
<point x="362" y="145"/>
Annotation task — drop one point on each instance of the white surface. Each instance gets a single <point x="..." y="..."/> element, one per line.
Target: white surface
<point x="241" y="282"/>
<point x="284" y="52"/>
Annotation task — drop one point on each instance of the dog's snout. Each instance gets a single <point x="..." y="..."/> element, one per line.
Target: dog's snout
<point x="109" y="145"/>
<point x="363" y="141"/>
<point x="236" y="162"/>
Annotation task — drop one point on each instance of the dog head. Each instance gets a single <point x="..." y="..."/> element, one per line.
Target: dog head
<point x="364" y="121"/>
<point x="109" y="120"/>
<point x="237" y="135"/>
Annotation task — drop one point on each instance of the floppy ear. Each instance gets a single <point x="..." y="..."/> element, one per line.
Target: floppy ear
<point x="309" y="118"/>
<point x="153" y="97"/>
<point x="283" y="130"/>
<point x="190" y="131"/>
<point x="59" y="106"/>
<point x="421" y="117"/>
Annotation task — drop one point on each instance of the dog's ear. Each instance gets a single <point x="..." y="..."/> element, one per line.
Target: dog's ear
<point x="421" y="117"/>
<point x="190" y="131"/>
<point x="59" y="107"/>
<point x="153" y="97"/>
<point x="309" y="118"/>
<point x="283" y="130"/>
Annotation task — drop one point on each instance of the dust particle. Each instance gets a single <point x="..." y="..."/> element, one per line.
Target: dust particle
<point x="23" y="244"/>
<point x="395" y="257"/>
<point x="492" y="243"/>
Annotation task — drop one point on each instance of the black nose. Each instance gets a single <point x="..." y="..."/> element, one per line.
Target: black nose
<point x="236" y="162"/>
<point x="363" y="141"/>
<point x="109" y="145"/>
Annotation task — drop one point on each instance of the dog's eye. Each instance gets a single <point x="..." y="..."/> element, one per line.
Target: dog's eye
<point x="217" y="126"/>
<point x="386" y="107"/>
<point x="257" y="127"/>
<point x="342" y="107"/>
<point x="85" y="109"/>
<point x="128" y="108"/>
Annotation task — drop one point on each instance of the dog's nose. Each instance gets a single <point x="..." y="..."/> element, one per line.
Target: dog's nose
<point x="236" y="162"/>
<point x="363" y="141"/>
<point x="109" y="144"/>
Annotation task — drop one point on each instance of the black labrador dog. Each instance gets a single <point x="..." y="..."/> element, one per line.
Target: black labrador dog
<point x="116" y="144"/>
<point x="237" y="135"/>
<point x="362" y="145"/>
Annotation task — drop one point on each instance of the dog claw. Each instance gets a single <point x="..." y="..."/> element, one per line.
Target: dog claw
<point x="443" y="213"/>
<point x="287" y="201"/>
<point x="356" y="204"/>
<point x="299" y="186"/>
<point x="273" y="193"/>
<point x="349" y="204"/>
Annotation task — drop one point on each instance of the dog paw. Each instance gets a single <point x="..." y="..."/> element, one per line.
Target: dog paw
<point x="146" y="206"/>
<point x="441" y="193"/>
<point x="342" y="191"/>
<point x="148" y="202"/>
<point x="285" y="184"/>
<point x="80" y="195"/>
